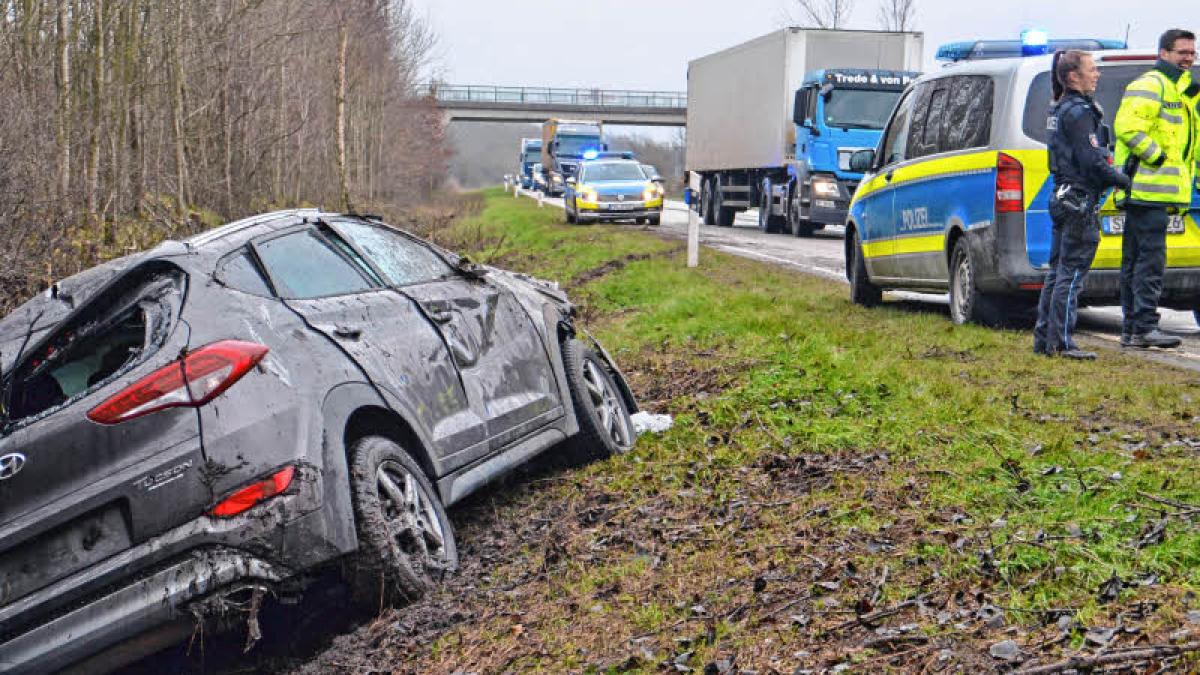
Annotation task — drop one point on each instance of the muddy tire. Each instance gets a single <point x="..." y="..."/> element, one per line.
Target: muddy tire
<point x="655" y="220"/>
<point x="967" y="302"/>
<point x="604" y="425"/>
<point x="405" y="541"/>
<point x="862" y="291"/>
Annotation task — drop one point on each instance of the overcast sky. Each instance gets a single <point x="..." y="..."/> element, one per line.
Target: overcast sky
<point x="646" y="44"/>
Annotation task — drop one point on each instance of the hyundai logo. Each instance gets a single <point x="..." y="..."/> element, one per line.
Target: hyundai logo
<point x="11" y="464"/>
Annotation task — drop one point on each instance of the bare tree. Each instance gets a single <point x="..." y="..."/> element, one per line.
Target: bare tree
<point x="821" y="13"/>
<point x="119" y="113"/>
<point x="897" y="15"/>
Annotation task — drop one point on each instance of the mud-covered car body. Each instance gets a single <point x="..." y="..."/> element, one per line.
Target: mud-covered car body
<point x="119" y="506"/>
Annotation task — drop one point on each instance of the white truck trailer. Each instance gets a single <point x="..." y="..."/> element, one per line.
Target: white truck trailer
<point x="771" y="123"/>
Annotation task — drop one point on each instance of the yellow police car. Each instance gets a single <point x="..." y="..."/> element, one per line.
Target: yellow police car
<point x="956" y="197"/>
<point x="613" y="186"/>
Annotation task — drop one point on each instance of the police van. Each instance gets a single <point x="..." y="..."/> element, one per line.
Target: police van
<point x="956" y="196"/>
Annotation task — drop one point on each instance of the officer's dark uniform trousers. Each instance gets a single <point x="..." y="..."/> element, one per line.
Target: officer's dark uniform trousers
<point x="1079" y="161"/>
<point x="1143" y="262"/>
<point x="1073" y="242"/>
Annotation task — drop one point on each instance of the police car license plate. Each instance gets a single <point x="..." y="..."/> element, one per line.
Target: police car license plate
<point x="622" y="207"/>
<point x="1116" y="225"/>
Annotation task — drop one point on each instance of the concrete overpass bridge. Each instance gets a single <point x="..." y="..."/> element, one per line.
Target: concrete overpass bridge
<point x="478" y="103"/>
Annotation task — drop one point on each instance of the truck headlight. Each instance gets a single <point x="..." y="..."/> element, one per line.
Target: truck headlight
<point x="824" y="187"/>
<point x="589" y="196"/>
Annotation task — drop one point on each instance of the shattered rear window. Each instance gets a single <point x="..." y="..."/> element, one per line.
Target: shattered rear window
<point x="109" y="336"/>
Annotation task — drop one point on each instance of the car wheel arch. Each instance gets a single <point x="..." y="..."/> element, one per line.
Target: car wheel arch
<point x="953" y="234"/>
<point x="848" y="244"/>
<point x="350" y="411"/>
<point x="377" y="420"/>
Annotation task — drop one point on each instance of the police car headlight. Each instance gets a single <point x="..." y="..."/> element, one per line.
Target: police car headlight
<point x="825" y="188"/>
<point x="589" y="196"/>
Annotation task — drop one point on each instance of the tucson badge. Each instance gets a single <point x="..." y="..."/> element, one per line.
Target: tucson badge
<point x="11" y="464"/>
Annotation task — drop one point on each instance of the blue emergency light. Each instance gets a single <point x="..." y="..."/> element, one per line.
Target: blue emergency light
<point x="591" y="153"/>
<point x="1033" y="42"/>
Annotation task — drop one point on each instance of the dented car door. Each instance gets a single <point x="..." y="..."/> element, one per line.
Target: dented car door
<point x="504" y="365"/>
<point x="384" y="332"/>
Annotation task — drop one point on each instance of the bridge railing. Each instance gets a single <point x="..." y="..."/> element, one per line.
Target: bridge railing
<point x="600" y="98"/>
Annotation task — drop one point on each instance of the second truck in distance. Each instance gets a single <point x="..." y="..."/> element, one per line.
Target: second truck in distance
<point x="772" y="123"/>
<point x="566" y="143"/>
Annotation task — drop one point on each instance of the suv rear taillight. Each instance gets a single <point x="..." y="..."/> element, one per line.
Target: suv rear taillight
<point x="191" y="381"/>
<point x="246" y="498"/>
<point x="1010" y="185"/>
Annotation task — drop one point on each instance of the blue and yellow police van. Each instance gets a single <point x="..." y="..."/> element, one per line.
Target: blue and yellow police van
<point x="956" y="195"/>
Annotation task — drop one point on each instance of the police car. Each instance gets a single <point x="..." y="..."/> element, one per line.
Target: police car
<point x="612" y="186"/>
<point x="956" y="197"/>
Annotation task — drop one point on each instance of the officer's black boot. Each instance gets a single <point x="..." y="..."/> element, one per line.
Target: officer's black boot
<point x="1078" y="354"/>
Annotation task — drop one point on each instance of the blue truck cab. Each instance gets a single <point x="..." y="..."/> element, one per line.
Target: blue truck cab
<point x="565" y="144"/>
<point x="837" y="112"/>
<point x="529" y="155"/>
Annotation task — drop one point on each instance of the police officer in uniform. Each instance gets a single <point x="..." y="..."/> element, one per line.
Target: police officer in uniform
<point x="1158" y="128"/>
<point x="1083" y="172"/>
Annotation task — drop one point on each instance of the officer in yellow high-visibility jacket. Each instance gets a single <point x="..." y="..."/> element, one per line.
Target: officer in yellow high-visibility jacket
<point x="1158" y="128"/>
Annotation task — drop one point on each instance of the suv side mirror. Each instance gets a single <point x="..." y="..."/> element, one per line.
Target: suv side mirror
<point x="862" y="161"/>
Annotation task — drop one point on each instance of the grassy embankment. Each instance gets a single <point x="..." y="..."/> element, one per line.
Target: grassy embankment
<point x="827" y="462"/>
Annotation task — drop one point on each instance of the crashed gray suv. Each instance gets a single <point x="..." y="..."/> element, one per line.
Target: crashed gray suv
<point x="231" y="413"/>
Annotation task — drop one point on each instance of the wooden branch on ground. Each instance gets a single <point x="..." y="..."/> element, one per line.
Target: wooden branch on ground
<point x="1138" y="655"/>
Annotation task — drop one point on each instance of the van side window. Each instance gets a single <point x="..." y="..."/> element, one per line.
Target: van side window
<point x="896" y="137"/>
<point x="932" y="131"/>
<point x="927" y="120"/>
<point x="968" y="113"/>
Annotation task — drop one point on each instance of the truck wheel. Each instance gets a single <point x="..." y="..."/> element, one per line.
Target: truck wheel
<point x="604" y="425"/>
<point x="655" y="220"/>
<point x="405" y="540"/>
<point x="767" y="222"/>
<point x="862" y="291"/>
<point x="800" y="227"/>
<point x="967" y="302"/>
<point x="706" y="202"/>
<point x="724" y="215"/>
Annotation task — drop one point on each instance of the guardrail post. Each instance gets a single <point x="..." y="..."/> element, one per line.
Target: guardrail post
<point x="541" y="199"/>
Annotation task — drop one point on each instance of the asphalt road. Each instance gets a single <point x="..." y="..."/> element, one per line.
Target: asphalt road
<point x="822" y="255"/>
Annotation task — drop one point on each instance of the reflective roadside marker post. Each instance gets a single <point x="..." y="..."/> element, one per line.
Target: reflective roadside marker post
<point x="541" y="200"/>
<point x="693" y="231"/>
<point x="693" y="238"/>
